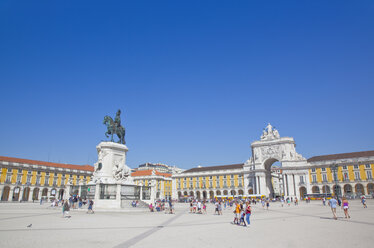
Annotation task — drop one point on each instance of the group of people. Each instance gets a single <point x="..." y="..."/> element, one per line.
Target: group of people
<point x="242" y="213"/>
<point x="159" y="206"/>
<point x="344" y="204"/>
<point x="197" y="206"/>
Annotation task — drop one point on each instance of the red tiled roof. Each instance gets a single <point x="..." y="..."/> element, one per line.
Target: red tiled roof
<point x="341" y="156"/>
<point x="141" y="173"/>
<point x="49" y="164"/>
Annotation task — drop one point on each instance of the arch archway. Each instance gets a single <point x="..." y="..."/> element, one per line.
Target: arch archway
<point x="240" y="192"/>
<point x="35" y="194"/>
<point x="326" y="189"/>
<point x="158" y="195"/>
<point x="267" y="151"/>
<point x="250" y="191"/>
<point x="198" y="195"/>
<point x="359" y="188"/>
<point x="233" y="193"/>
<point x="225" y="193"/>
<point x="25" y="195"/>
<point x="5" y="193"/>
<point x="185" y="193"/>
<point x="61" y="194"/>
<point x="315" y="190"/>
<point x="211" y="194"/>
<point x="302" y="191"/>
<point x="16" y="192"/>
<point x="370" y="188"/>
<point x="347" y="189"/>
<point x="192" y="194"/>
<point x="337" y="190"/>
<point x="179" y="194"/>
<point x="218" y="193"/>
<point x="45" y="193"/>
<point x="205" y="195"/>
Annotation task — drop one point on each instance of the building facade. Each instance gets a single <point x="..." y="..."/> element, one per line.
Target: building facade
<point x="160" y="180"/>
<point x="348" y="174"/>
<point x="30" y="180"/>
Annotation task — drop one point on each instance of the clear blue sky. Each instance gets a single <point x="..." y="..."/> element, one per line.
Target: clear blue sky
<point x="197" y="81"/>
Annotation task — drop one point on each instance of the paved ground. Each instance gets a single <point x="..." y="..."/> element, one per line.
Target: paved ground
<point x="306" y="225"/>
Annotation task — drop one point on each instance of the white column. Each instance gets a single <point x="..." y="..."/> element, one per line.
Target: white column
<point x="29" y="198"/>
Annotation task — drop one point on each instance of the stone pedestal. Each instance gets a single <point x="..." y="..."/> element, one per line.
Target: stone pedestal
<point x="112" y="186"/>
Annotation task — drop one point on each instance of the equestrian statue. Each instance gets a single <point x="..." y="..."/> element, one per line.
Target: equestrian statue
<point x="115" y="127"/>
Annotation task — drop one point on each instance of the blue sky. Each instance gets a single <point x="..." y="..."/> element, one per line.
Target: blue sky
<point x="196" y="81"/>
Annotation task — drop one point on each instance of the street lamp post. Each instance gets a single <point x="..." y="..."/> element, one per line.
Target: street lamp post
<point x="334" y="168"/>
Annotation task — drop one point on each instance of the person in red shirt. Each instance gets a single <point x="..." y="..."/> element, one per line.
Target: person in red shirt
<point x="248" y="211"/>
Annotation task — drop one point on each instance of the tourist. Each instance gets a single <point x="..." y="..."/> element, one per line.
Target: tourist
<point x="267" y="204"/>
<point x="263" y="203"/>
<point x="191" y="207"/>
<point x="90" y="207"/>
<point x="171" y="207"/>
<point x="363" y="200"/>
<point x="332" y="203"/>
<point x="204" y="207"/>
<point x="216" y="207"/>
<point x="220" y="208"/>
<point x="199" y="207"/>
<point x="324" y="201"/>
<point x="288" y="201"/>
<point x="296" y="201"/>
<point x="282" y="202"/>
<point x="237" y="213"/>
<point x="345" y="207"/>
<point x="65" y="209"/>
<point x="151" y="208"/>
<point x="242" y="215"/>
<point x="248" y="211"/>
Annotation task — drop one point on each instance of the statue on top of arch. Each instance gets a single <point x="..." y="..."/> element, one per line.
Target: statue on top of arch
<point x="270" y="133"/>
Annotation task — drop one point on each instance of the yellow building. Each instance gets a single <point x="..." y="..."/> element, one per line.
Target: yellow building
<point x="344" y="174"/>
<point x="29" y="180"/>
<point x="161" y="181"/>
<point x="210" y="182"/>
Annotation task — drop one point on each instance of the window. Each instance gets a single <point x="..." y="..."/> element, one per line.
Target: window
<point x="356" y="166"/>
<point x="314" y="170"/>
<point x="357" y="175"/>
<point x="19" y="178"/>
<point x="323" y="169"/>
<point x="301" y="179"/>
<point x="217" y="178"/>
<point x="345" y="176"/>
<point x="55" y="181"/>
<point x="324" y="177"/>
<point x="210" y="177"/>
<point x="29" y="172"/>
<point x="37" y="180"/>
<point x="224" y="176"/>
<point x="369" y="175"/>
<point x="47" y="173"/>
<point x="8" y="178"/>
<point x="344" y="167"/>
<point x="314" y="178"/>
<point x="367" y="166"/>
<point x="38" y="172"/>
<point x="10" y="170"/>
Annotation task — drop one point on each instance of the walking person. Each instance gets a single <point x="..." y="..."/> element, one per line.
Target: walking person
<point x="345" y="207"/>
<point x="267" y="204"/>
<point x="363" y="200"/>
<point x="332" y="203"/>
<point x="90" y="207"/>
<point x="237" y="213"/>
<point x="248" y="211"/>
<point x="65" y="209"/>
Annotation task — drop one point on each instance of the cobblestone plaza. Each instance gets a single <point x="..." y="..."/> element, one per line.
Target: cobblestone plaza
<point x="305" y="225"/>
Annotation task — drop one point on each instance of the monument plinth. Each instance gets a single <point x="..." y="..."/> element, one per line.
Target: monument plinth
<point x="112" y="185"/>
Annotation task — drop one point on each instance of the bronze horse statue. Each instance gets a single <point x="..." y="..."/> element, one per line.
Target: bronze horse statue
<point x="114" y="128"/>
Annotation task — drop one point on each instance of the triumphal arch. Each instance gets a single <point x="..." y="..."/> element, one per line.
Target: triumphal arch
<point x="292" y="174"/>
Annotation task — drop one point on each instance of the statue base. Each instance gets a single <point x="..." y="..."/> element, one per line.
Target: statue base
<point x="112" y="186"/>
